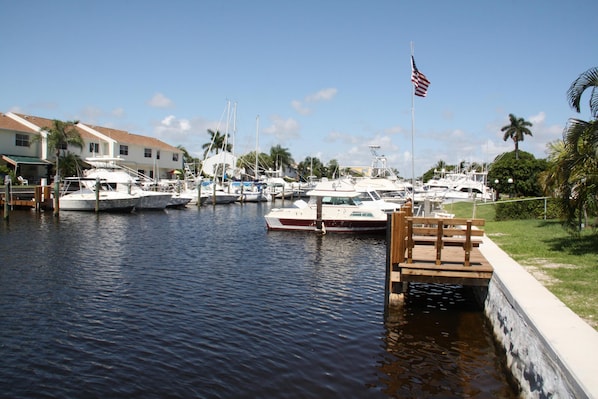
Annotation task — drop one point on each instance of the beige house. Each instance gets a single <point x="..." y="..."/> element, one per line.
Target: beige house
<point x="29" y="156"/>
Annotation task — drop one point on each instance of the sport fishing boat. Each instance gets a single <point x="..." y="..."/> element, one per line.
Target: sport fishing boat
<point x="334" y="206"/>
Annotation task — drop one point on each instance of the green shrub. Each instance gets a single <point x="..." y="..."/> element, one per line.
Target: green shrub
<point x="529" y="209"/>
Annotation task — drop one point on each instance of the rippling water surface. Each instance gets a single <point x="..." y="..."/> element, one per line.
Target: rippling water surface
<point x="208" y="304"/>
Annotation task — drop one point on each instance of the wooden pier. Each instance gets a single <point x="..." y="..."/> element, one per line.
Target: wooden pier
<point x="433" y="250"/>
<point x="36" y="197"/>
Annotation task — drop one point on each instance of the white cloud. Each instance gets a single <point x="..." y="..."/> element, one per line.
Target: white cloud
<point x="118" y="112"/>
<point x="282" y="129"/>
<point x="298" y="106"/>
<point x="322" y="95"/>
<point x="159" y="100"/>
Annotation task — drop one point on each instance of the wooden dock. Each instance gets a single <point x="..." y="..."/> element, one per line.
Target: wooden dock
<point x="433" y="250"/>
<point x="36" y="197"/>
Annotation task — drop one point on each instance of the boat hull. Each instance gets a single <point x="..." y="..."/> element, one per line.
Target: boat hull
<point x="333" y="221"/>
<point x="75" y="202"/>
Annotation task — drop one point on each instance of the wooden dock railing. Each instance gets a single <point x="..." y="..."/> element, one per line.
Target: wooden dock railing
<point x="434" y="250"/>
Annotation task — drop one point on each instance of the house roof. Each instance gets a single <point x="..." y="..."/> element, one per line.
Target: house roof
<point x="8" y="123"/>
<point x="121" y="136"/>
<point x="44" y="122"/>
<point x="125" y="137"/>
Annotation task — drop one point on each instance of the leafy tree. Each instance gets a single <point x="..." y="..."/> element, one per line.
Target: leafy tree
<point x="517" y="176"/>
<point x="217" y="143"/>
<point x="516" y="131"/>
<point x="247" y="161"/>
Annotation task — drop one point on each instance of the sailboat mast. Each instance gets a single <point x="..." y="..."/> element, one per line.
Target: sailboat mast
<point x="257" y="135"/>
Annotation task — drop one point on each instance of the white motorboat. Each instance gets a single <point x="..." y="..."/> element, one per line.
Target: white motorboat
<point x="86" y="197"/>
<point x="122" y="180"/>
<point x="215" y="195"/>
<point x="249" y="192"/>
<point x="333" y="207"/>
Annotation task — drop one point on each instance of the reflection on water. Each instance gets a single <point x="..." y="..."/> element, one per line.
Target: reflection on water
<point x="207" y="303"/>
<point x="437" y="342"/>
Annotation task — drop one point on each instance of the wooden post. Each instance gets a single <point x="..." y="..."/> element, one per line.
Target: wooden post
<point x="199" y="194"/>
<point x="319" y="222"/>
<point x="38" y="198"/>
<point x="214" y="193"/>
<point x="56" y="197"/>
<point x="468" y="246"/>
<point x="438" y="245"/>
<point x="7" y="182"/>
<point x="97" y="207"/>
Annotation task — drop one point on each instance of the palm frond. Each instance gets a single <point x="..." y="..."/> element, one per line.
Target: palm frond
<point x="586" y="80"/>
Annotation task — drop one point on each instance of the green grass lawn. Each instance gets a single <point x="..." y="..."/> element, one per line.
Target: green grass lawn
<point x="566" y="265"/>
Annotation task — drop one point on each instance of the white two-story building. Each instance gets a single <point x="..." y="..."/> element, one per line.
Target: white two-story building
<point x="24" y="148"/>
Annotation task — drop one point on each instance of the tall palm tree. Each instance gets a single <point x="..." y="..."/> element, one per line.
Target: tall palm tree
<point x="59" y="136"/>
<point x="281" y="156"/>
<point x="217" y="142"/>
<point x="586" y="80"/>
<point x="516" y="131"/>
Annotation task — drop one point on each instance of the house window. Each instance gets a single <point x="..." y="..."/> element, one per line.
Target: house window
<point x="124" y="150"/>
<point x="151" y="174"/>
<point x="22" y="140"/>
<point x="175" y="157"/>
<point x="157" y="154"/>
<point x="94" y="148"/>
<point x="147" y="153"/>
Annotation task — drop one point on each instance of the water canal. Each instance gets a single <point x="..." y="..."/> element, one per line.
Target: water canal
<point x="208" y="304"/>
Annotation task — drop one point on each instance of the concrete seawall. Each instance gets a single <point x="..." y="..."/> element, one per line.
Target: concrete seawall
<point x="550" y="350"/>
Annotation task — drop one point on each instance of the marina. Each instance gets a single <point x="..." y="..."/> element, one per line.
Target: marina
<point x="206" y="302"/>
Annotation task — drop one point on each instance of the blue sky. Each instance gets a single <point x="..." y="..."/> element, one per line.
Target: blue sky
<point x="327" y="78"/>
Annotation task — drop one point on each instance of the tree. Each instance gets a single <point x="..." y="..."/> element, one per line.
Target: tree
<point x="516" y="131"/>
<point x="59" y="136"/>
<point x="217" y="142"/>
<point x="281" y="156"/>
<point x="248" y="162"/>
<point x="516" y="176"/>
<point x="586" y="80"/>
<point x="333" y="169"/>
<point x="573" y="171"/>
<point x="311" y="166"/>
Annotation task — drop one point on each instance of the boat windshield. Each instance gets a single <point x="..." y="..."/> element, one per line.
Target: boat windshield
<point x="369" y="196"/>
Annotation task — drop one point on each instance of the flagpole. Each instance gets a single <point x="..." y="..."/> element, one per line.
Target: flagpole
<point x="412" y="134"/>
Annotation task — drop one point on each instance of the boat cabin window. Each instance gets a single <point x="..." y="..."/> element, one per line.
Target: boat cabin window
<point x="338" y="201"/>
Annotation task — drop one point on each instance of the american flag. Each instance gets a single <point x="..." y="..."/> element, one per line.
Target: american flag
<point x="420" y="82"/>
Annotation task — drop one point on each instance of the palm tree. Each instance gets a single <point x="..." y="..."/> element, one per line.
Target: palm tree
<point x="281" y="156"/>
<point x="516" y="131"/>
<point x="573" y="167"/>
<point x="59" y="136"/>
<point x="586" y="80"/>
<point x="217" y="142"/>
<point x="576" y="171"/>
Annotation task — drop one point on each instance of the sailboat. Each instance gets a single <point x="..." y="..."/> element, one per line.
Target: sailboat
<point x="254" y="191"/>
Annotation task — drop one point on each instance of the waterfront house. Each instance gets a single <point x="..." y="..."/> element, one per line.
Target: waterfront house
<point x="31" y="158"/>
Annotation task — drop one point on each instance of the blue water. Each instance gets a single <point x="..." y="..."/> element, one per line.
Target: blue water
<point x="208" y="304"/>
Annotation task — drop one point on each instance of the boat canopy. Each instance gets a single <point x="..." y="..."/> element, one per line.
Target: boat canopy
<point x="332" y="193"/>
